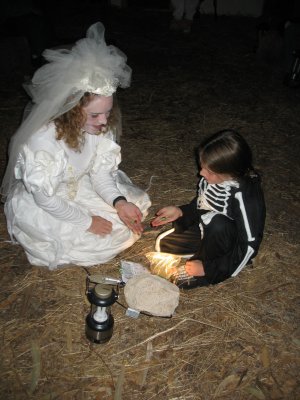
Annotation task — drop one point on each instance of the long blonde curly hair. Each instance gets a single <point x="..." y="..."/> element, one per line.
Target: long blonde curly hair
<point x="69" y="125"/>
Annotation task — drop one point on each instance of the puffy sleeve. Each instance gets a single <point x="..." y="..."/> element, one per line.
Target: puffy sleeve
<point x="107" y="160"/>
<point x="41" y="173"/>
<point x="40" y="170"/>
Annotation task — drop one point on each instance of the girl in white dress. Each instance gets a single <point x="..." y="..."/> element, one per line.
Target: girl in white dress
<point x="66" y="200"/>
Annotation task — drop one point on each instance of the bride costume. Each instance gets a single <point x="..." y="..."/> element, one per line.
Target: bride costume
<point x="51" y="190"/>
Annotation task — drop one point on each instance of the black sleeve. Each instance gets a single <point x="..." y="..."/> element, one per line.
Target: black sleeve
<point x="221" y="268"/>
<point x="190" y="216"/>
<point x="248" y="212"/>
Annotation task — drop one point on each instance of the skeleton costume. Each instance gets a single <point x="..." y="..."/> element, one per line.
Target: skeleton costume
<point x="223" y="227"/>
<point x="51" y="190"/>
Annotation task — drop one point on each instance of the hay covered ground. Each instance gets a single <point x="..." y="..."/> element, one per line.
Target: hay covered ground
<point x="236" y="340"/>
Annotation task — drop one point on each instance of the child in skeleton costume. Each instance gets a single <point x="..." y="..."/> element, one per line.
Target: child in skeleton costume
<point x="66" y="200"/>
<point x="222" y="228"/>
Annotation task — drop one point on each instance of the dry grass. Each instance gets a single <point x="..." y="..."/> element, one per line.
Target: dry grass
<point x="236" y="340"/>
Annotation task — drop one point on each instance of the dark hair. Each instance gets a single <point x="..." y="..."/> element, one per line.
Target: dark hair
<point x="227" y="152"/>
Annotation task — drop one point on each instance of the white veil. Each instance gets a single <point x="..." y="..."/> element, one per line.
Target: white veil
<point x="90" y="66"/>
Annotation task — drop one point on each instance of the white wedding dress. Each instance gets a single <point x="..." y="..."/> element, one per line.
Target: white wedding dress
<point x="58" y="190"/>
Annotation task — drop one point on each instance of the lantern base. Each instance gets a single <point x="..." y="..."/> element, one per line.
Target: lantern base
<point x="99" y="332"/>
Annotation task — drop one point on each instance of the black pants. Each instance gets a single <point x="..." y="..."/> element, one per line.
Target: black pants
<point x="217" y="249"/>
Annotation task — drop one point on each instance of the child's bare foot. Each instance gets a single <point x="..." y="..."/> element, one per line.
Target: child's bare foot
<point x="194" y="268"/>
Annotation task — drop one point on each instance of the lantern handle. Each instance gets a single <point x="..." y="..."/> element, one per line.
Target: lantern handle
<point x="104" y="280"/>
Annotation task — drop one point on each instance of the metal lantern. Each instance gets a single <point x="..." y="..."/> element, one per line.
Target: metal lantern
<point x="100" y="322"/>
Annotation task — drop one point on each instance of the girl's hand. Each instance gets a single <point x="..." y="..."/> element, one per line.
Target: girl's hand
<point x="166" y="215"/>
<point x="100" y="226"/>
<point x="194" y="268"/>
<point x="131" y="215"/>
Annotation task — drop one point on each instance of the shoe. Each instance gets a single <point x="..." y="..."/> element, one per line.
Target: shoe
<point x="183" y="280"/>
<point x="291" y="82"/>
<point x="186" y="25"/>
<point x="175" y="25"/>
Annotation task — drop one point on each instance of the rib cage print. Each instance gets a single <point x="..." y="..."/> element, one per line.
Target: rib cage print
<point x="215" y="197"/>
